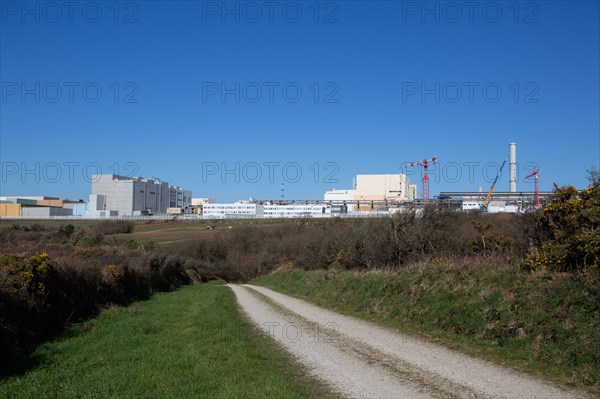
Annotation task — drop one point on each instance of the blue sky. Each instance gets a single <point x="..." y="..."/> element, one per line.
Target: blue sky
<point x="184" y="91"/>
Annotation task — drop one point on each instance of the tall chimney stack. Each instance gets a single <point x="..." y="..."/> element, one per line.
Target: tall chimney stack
<point x="513" y="167"/>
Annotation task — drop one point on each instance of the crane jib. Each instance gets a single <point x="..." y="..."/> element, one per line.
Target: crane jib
<point x="489" y="195"/>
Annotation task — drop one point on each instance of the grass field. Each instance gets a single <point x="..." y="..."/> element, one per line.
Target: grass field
<point x="162" y="232"/>
<point x="169" y="232"/>
<point x="544" y="323"/>
<point x="189" y="343"/>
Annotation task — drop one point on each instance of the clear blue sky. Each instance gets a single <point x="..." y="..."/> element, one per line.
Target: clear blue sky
<point x="379" y="67"/>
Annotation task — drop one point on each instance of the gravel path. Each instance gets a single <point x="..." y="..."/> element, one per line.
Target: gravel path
<point x="358" y="359"/>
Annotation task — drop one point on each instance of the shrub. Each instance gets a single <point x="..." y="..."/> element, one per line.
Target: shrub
<point x="109" y="227"/>
<point x="67" y="230"/>
<point x="568" y="231"/>
<point x="38" y="296"/>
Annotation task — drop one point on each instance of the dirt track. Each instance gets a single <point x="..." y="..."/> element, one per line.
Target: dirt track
<point x="358" y="359"/>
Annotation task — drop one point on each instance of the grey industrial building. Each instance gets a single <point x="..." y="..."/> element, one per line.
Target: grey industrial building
<point x="114" y="195"/>
<point x="45" y="212"/>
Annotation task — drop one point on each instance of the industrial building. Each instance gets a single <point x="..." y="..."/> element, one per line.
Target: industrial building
<point x="370" y="190"/>
<point x="511" y="201"/>
<point x="340" y="198"/>
<point x="237" y="209"/>
<point x="500" y="201"/>
<point x="382" y="187"/>
<point x="45" y="212"/>
<point x="296" y="210"/>
<point x="114" y="195"/>
<point x="372" y="195"/>
<point x="203" y="200"/>
<point x="253" y="209"/>
<point x="38" y="207"/>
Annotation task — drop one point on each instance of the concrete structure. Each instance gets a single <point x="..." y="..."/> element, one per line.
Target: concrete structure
<point x="179" y="198"/>
<point x="370" y="189"/>
<point x="412" y="192"/>
<point x="512" y="148"/>
<point x="202" y="201"/>
<point x="130" y="196"/>
<point x="80" y="210"/>
<point x="45" y="212"/>
<point x="79" y="207"/>
<point x="382" y="187"/>
<point x="97" y="207"/>
<point x="96" y="204"/>
<point x="340" y="197"/>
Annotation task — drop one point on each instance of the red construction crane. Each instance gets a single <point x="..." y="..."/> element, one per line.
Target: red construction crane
<point x="425" y="181"/>
<point x="536" y="175"/>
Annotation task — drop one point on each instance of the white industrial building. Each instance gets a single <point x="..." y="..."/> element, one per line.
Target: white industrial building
<point x="296" y="210"/>
<point x="340" y="197"/>
<point x="114" y="195"/>
<point x="371" y="188"/>
<point x="247" y="209"/>
<point x="238" y="209"/>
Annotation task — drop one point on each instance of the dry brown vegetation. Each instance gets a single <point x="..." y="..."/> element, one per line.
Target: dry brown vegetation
<point x="439" y="235"/>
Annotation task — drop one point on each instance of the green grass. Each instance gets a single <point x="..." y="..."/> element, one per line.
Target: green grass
<point x="190" y="343"/>
<point x="544" y="323"/>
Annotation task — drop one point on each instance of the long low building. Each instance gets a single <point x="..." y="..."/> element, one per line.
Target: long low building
<point x="243" y="209"/>
<point x="237" y="209"/>
<point x="45" y="212"/>
<point x="519" y="196"/>
<point x="38" y="207"/>
<point x="296" y="210"/>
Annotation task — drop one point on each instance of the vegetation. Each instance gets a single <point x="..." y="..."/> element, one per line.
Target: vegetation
<point x="189" y="343"/>
<point x="543" y="322"/>
<point x="51" y="277"/>
<point x="521" y="289"/>
<point x="568" y="231"/>
<point x="439" y="234"/>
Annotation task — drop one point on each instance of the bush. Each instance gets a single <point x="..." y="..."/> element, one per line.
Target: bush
<point x="567" y="235"/>
<point x="38" y="296"/>
<point x="439" y="232"/>
<point x="109" y="227"/>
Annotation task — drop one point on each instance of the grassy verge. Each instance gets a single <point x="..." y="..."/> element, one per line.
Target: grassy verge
<point x="544" y="323"/>
<point x="189" y="343"/>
